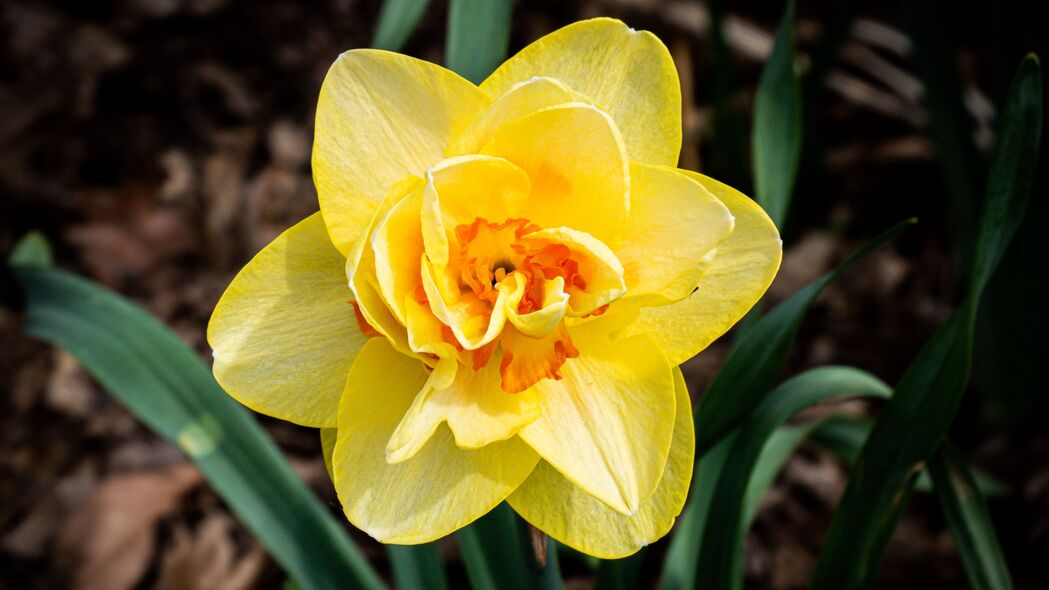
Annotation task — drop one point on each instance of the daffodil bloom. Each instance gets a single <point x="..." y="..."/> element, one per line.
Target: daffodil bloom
<point x="493" y="301"/>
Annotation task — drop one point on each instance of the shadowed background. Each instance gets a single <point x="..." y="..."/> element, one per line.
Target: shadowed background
<point x="160" y="143"/>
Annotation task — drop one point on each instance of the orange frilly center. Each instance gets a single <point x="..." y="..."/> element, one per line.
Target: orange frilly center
<point x="494" y="255"/>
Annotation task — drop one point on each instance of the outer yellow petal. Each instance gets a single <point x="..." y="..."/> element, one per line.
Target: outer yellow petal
<point x="284" y="333"/>
<point x="628" y="74"/>
<point x="477" y="411"/>
<point x="739" y="274"/>
<point x="580" y="175"/>
<point x="398" y="244"/>
<point x="567" y="513"/>
<point x="328" y="437"/>
<point x="441" y="489"/>
<point x="607" y="425"/>
<point x="674" y="222"/>
<point x="521" y="100"/>
<point x="380" y="117"/>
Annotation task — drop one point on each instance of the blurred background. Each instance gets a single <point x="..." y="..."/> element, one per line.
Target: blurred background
<point x="159" y="144"/>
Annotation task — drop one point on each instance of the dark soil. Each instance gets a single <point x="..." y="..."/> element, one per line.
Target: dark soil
<point x="160" y="143"/>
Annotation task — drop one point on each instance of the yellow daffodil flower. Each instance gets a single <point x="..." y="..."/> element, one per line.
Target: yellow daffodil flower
<point x="495" y="296"/>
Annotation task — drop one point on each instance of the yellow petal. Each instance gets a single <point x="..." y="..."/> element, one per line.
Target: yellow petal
<point x="522" y="99"/>
<point x="579" y="171"/>
<point x="607" y="424"/>
<point x="328" y="437"/>
<point x="465" y="314"/>
<point x="398" y="243"/>
<point x="461" y="189"/>
<point x="477" y="411"/>
<point x="674" y="222"/>
<point x="284" y="333"/>
<point x="527" y="361"/>
<point x="361" y="272"/>
<point x="543" y="321"/>
<point x="598" y="266"/>
<point x="381" y="116"/>
<point x="628" y="74"/>
<point x="732" y="283"/>
<point x="564" y="511"/>
<point x="442" y="488"/>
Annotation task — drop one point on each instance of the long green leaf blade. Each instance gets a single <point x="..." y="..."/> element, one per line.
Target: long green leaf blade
<point x="397" y="21"/>
<point x="1013" y="168"/>
<point x="679" y="569"/>
<point x="777" y="130"/>
<point x="844" y="436"/>
<point x="417" y="566"/>
<point x="620" y="574"/>
<point x="170" y="389"/>
<point x="949" y="121"/>
<point x="969" y="521"/>
<point x="927" y="396"/>
<point x="478" y="37"/>
<point x="497" y="553"/>
<point x="721" y="554"/>
<point x="749" y="371"/>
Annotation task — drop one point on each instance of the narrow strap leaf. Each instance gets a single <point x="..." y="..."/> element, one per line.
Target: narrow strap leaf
<point x="844" y="436"/>
<point x="620" y="574"/>
<point x="397" y="21"/>
<point x="478" y="37"/>
<point x="170" y="389"/>
<point x="679" y="569"/>
<point x="721" y="552"/>
<point x="497" y="553"/>
<point x="417" y="566"/>
<point x="969" y="521"/>
<point x="749" y="371"/>
<point x="951" y="126"/>
<point x="777" y="125"/>
<point x="913" y="425"/>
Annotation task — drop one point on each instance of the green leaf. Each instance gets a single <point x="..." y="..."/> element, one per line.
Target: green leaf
<point x="739" y="387"/>
<point x="731" y="116"/>
<point x="914" y="423"/>
<point x="752" y="366"/>
<point x="478" y="37"/>
<point x="397" y="21"/>
<point x="1013" y="168"/>
<point x="620" y="574"/>
<point x="936" y="59"/>
<point x="31" y="250"/>
<point x="417" y="566"/>
<point x="969" y="521"/>
<point x="721" y="553"/>
<point x="777" y="130"/>
<point x="679" y="569"/>
<point x="168" y="387"/>
<point x="497" y="552"/>
<point x="844" y="436"/>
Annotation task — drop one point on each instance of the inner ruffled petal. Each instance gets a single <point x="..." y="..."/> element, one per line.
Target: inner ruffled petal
<point x="593" y="276"/>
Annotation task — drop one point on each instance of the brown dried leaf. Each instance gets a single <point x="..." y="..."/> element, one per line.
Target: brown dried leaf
<point x="207" y="559"/>
<point x="109" y="540"/>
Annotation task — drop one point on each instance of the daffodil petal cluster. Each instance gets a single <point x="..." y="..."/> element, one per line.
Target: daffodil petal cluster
<point x="493" y="301"/>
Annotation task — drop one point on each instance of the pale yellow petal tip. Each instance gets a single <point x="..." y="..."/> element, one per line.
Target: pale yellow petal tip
<point x="398" y="454"/>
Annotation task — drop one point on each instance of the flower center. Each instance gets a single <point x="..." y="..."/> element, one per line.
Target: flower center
<point x="506" y="290"/>
<point x="488" y="252"/>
